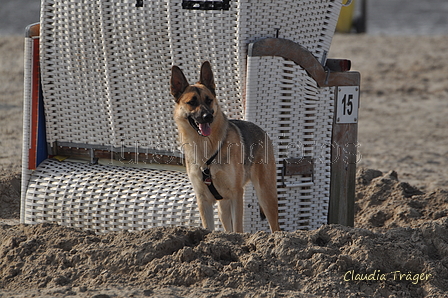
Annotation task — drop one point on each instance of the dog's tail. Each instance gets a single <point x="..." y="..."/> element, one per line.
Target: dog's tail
<point x="262" y="215"/>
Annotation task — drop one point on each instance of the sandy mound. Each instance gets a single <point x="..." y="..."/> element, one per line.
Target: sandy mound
<point x="408" y="259"/>
<point x="324" y="262"/>
<point x="383" y="201"/>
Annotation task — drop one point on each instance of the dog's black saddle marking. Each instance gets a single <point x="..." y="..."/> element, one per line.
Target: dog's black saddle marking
<point x="207" y="177"/>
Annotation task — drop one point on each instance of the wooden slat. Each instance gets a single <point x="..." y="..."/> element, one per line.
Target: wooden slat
<point x="127" y="157"/>
<point x="33" y="30"/>
<point x="298" y="166"/>
<point x="338" y="65"/>
<point x="343" y="174"/>
<point x="301" y="56"/>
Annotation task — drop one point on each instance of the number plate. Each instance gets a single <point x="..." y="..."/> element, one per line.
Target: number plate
<point x="347" y="104"/>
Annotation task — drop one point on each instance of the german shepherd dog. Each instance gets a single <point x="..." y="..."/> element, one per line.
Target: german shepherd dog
<point x="222" y="155"/>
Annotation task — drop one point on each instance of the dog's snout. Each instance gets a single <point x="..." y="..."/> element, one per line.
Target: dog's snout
<point x="207" y="117"/>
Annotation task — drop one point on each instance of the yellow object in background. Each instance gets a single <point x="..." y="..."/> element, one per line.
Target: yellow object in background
<point x="345" y="21"/>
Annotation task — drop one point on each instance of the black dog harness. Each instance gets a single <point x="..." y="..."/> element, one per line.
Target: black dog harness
<point x="207" y="177"/>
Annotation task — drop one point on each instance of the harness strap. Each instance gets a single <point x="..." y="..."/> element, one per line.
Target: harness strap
<point x="211" y="159"/>
<point x="207" y="177"/>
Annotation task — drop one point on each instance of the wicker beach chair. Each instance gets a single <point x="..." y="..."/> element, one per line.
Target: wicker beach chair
<point x="100" y="144"/>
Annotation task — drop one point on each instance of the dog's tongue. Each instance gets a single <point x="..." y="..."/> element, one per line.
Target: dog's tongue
<point x="205" y="129"/>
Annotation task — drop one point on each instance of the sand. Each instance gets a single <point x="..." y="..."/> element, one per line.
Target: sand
<point x="398" y="248"/>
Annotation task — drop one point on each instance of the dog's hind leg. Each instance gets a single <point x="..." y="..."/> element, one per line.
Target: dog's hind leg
<point x="264" y="180"/>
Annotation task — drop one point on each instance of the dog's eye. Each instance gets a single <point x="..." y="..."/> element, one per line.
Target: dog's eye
<point x="208" y="100"/>
<point x="193" y="102"/>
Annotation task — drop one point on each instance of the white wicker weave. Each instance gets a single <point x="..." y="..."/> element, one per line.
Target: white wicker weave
<point x="106" y="63"/>
<point x="28" y="74"/>
<point x="109" y="198"/>
<point x="105" y="77"/>
<point x="301" y="116"/>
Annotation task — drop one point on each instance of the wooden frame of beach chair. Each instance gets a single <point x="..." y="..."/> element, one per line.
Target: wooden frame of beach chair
<point x="108" y="156"/>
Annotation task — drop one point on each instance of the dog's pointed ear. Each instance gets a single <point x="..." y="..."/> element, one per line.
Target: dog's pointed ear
<point x="206" y="77"/>
<point x="178" y="82"/>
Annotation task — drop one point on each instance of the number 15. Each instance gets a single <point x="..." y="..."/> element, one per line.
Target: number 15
<point x="348" y="104"/>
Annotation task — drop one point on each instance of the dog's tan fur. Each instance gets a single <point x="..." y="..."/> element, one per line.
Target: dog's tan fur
<point x="236" y="162"/>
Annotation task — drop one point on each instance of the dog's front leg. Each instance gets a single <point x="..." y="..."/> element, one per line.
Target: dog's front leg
<point x="225" y="214"/>
<point x="206" y="211"/>
<point x="231" y="211"/>
<point x="204" y="199"/>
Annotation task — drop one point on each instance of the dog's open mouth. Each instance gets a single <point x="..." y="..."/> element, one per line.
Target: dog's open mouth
<point x="203" y="129"/>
